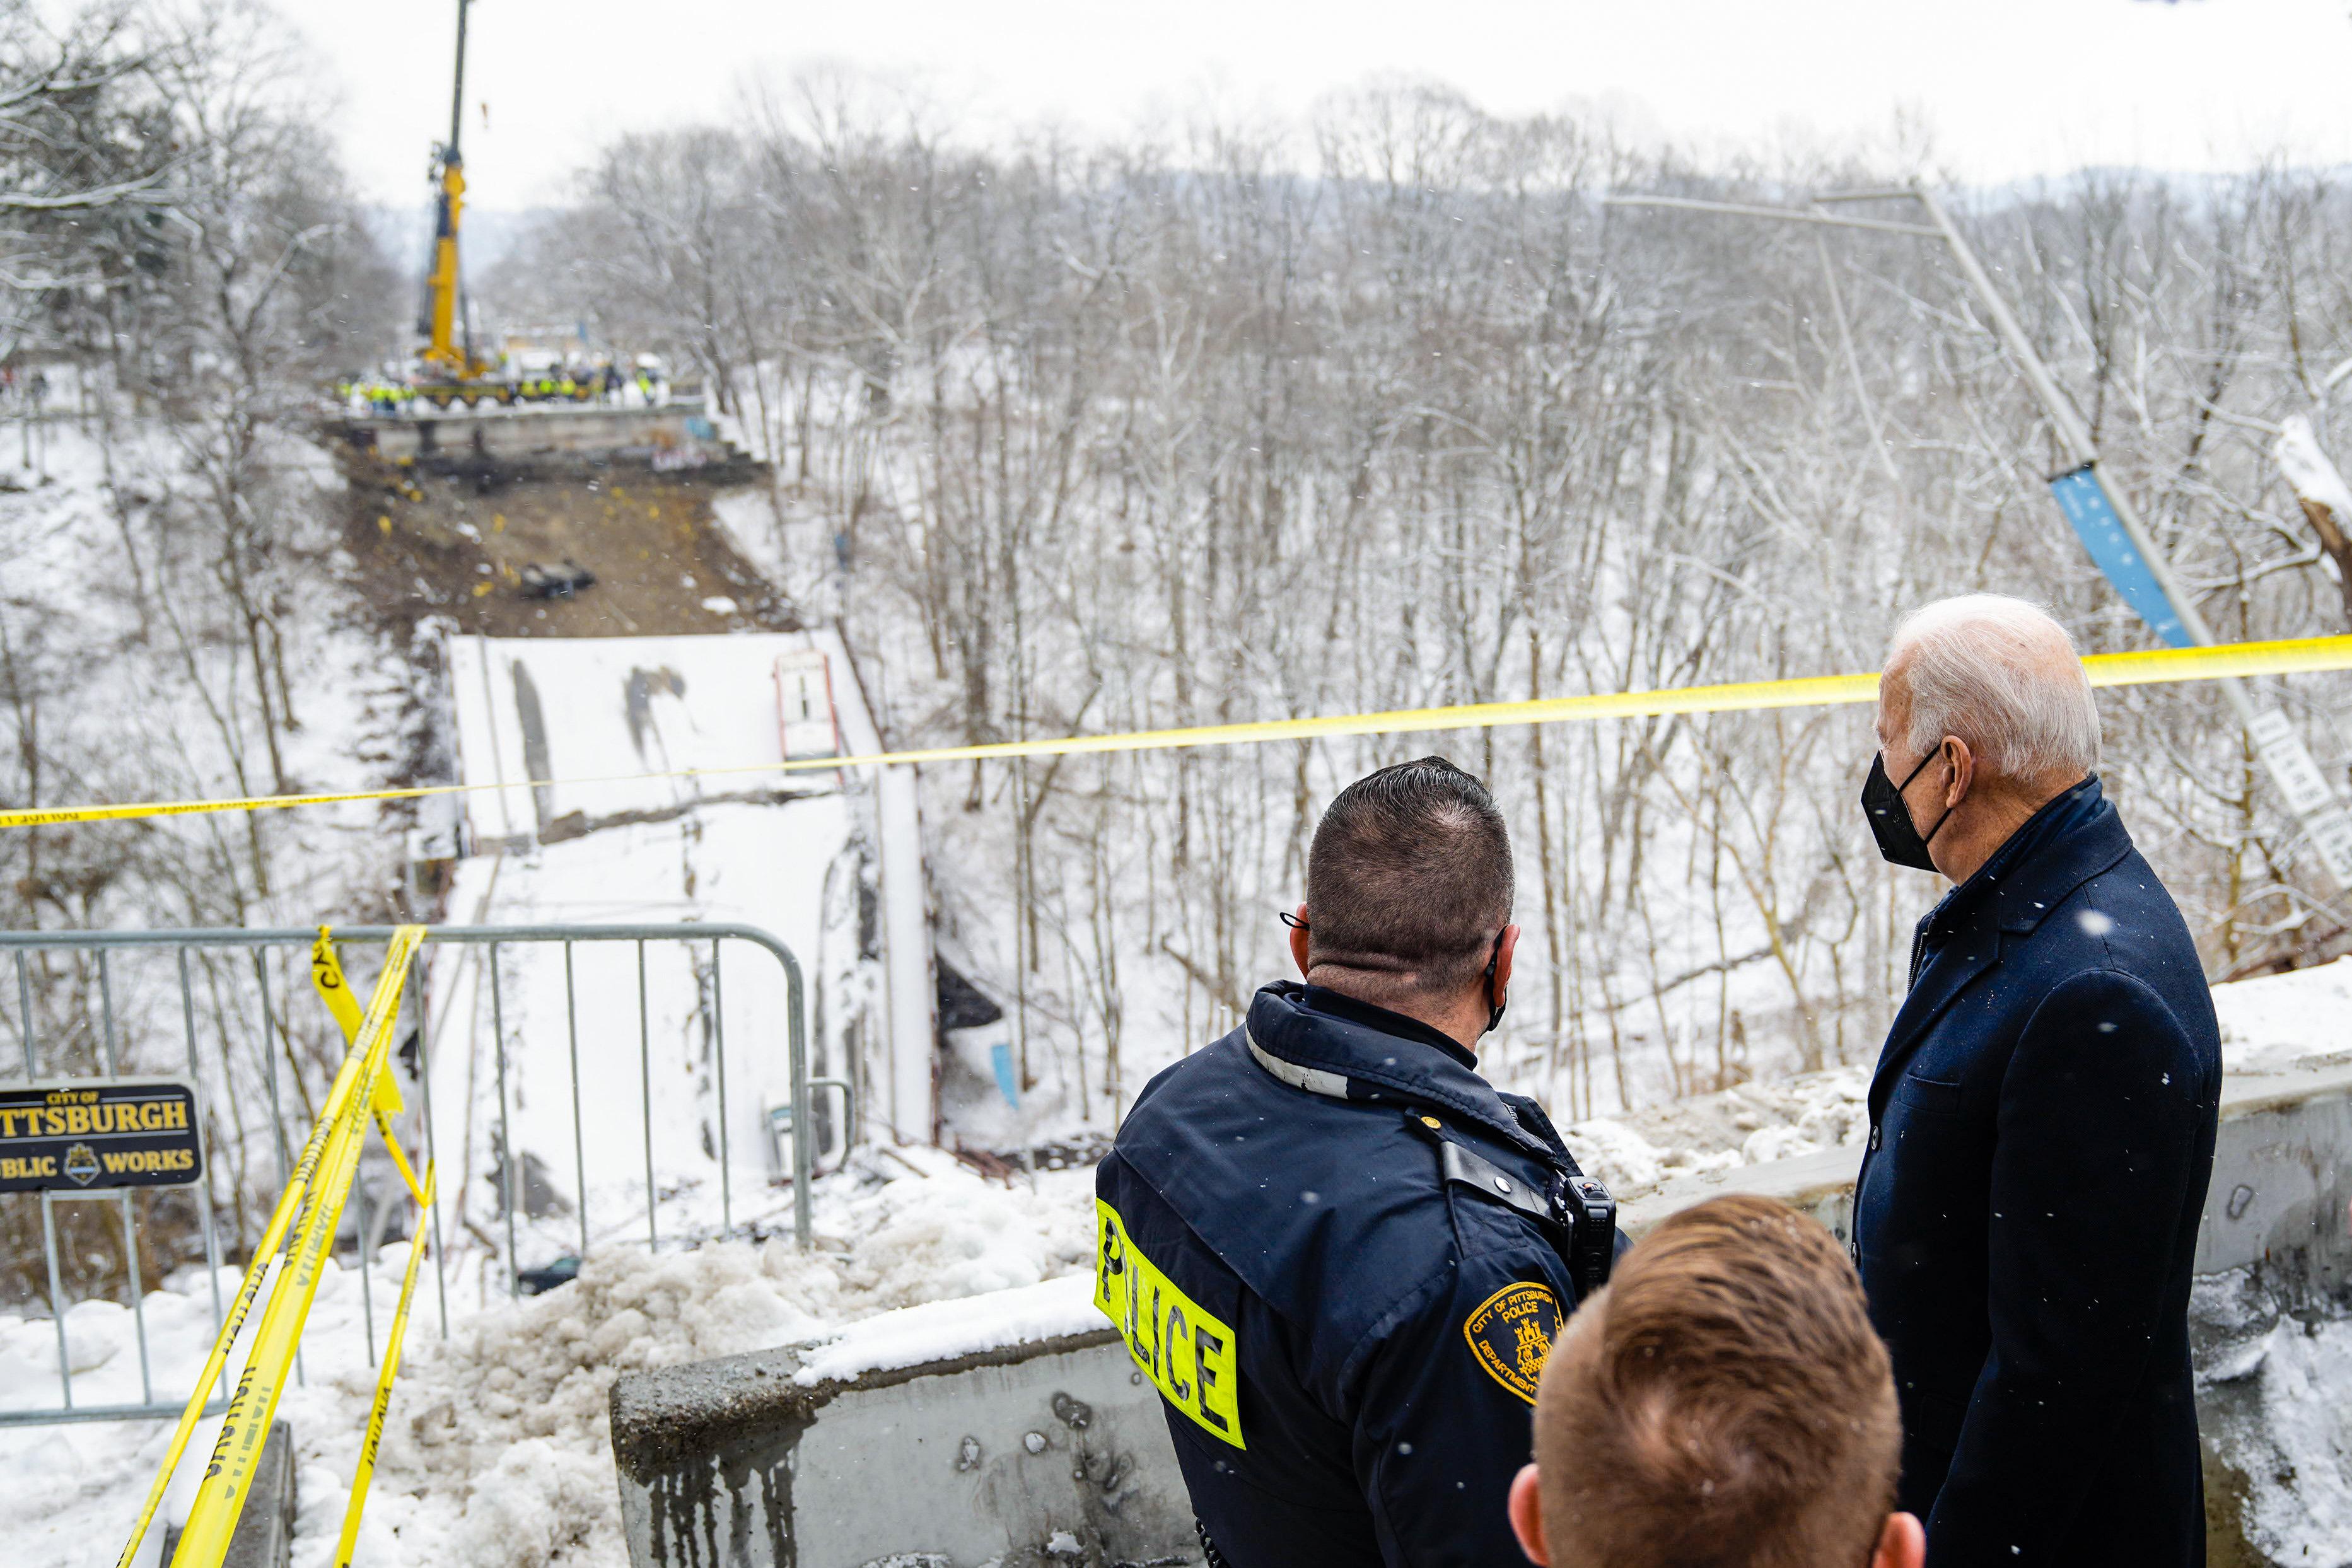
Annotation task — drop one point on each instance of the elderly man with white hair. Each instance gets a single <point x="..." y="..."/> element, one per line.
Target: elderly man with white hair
<point x="2041" y="1119"/>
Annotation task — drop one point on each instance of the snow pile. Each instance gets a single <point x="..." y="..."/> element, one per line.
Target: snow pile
<point x="939" y="1331"/>
<point x="2271" y="1407"/>
<point x="1749" y="1123"/>
<point x="2268" y="1025"/>
<point x="2279" y="1022"/>
<point x="497" y="1452"/>
<point x="952" y="1235"/>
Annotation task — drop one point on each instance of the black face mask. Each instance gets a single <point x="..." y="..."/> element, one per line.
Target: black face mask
<point x="1890" y="819"/>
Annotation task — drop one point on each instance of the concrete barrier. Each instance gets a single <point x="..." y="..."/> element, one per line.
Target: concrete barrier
<point x="264" y="1537"/>
<point x="2276" y="1202"/>
<point x="2274" y="1250"/>
<point x="1013" y="1429"/>
<point x="1037" y="1442"/>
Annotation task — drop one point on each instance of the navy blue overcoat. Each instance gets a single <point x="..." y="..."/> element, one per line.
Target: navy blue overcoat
<point x="2041" y="1134"/>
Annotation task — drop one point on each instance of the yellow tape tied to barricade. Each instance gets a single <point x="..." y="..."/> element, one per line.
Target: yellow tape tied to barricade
<point x="383" y="1100"/>
<point x="366" y="1474"/>
<point x="2302" y="655"/>
<point x="327" y="979"/>
<point x="317" y="1191"/>
<point x="212" y="1520"/>
<point x="273" y="1235"/>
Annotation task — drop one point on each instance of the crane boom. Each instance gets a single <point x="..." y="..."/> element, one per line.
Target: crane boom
<point x="458" y="90"/>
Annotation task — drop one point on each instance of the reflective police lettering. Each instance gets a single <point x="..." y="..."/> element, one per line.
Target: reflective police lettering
<point x="1211" y="1362"/>
<point x="1185" y="1350"/>
<point x="1173" y="1336"/>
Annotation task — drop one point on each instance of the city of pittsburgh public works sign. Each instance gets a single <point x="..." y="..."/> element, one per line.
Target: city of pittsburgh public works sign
<point x="88" y="1132"/>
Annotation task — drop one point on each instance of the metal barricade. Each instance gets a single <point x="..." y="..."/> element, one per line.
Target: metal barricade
<point x="95" y="955"/>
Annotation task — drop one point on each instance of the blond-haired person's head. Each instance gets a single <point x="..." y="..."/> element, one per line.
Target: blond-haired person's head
<point x="1723" y="1403"/>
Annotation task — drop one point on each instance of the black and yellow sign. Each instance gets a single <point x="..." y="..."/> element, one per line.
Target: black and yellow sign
<point x="124" y="1132"/>
<point x="1182" y="1347"/>
<point x="1511" y="1333"/>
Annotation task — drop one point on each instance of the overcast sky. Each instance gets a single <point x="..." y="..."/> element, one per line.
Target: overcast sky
<point x="2010" y="88"/>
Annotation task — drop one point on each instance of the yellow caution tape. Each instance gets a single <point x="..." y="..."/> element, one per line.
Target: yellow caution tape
<point x="383" y="1125"/>
<point x="221" y="1498"/>
<point x="289" y="1201"/>
<point x="366" y="1473"/>
<point x="2301" y="656"/>
<point x="327" y="979"/>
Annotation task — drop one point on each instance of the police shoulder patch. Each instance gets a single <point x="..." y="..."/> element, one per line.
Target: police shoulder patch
<point x="1511" y="1332"/>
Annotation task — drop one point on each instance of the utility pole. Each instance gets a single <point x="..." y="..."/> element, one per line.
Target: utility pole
<point x="2289" y="762"/>
<point x="2073" y="433"/>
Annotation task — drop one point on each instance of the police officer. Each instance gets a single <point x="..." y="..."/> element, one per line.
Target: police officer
<point x="1339" y="1253"/>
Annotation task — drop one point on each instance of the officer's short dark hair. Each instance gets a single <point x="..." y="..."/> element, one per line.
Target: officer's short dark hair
<point x="1723" y="1403"/>
<point x="1408" y="883"/>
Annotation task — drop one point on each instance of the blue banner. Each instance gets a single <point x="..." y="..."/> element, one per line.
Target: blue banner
<point x="2083" y="499"/>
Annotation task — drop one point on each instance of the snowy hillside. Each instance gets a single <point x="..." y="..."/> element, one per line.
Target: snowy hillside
<point x="155" y="702"/>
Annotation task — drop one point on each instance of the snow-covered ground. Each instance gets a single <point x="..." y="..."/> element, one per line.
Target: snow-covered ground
<point x="158" y="706"/>
<point x="2285" y="1020"/>
<point x="2272" y="1385"/>
<point x="498" y="1455"/>
<point x="497" y="1452"/>
<point x="2268" y="1025"/>
<point x="686" y="1078"/>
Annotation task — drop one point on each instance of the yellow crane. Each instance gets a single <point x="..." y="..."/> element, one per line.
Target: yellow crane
<point x="451" y="373"/>
<point x="449" y="354"/>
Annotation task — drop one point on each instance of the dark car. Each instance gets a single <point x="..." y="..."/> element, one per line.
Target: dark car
<point x="561" y="581"/>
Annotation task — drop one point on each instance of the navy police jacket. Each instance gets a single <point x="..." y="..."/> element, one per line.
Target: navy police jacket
<point x="1326" y="1241"/>
<point x="2042" y="1123"/>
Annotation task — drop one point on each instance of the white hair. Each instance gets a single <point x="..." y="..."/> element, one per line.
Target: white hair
<point x="2003" y="676"/>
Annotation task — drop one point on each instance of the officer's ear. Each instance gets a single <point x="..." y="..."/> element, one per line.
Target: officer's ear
<point x="1527" y="1516"/>
<point x="1297" y="923"/>
<point x="1505" y="951"/>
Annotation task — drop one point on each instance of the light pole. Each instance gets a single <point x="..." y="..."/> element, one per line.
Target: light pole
<point x="2086" y="495"/>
